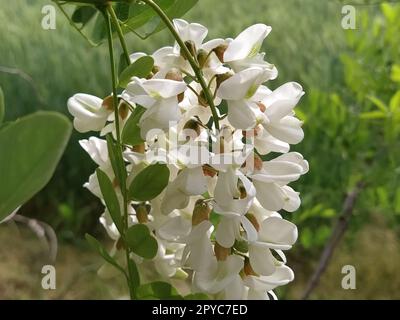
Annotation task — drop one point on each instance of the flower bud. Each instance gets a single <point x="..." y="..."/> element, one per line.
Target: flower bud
<point x="202" y="57"/>
<point x="140" y="148"/>
<point x="261" y="106"/>
<point x="221" y="253"/>
<point x="174" y="74"/>
<point x="142" y="214"/>
<point x="108" y="103"/>
<point x="247" y="269"/>
<point x="202" y="100"/>
<point x="123" y="109"/>
<point x="181" y="96"/>
<point x="120" y="244"/>
<point x="201" y="212"/>
<point x="192" y="126"/>
<point x="191" y="47"/>
<point x="220" y="50"/>
<point x="222" y="77"/>
<point x="252" y="218"/>
<point x="155" y="69"/>
<point x="209" y="171"/>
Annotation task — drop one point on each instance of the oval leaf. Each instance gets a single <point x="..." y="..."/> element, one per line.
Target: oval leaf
<point x="141" y="68"/>
<point x="96" y="245"/>
<point x="141" y="242"/>
<point x="131" y="132"/>
<point x="110" y="198"/>
<point x="149" y="182"/>
<point x="30" y="149"/>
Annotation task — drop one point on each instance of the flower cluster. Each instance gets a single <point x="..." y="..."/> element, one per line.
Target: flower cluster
<point x="217" y="219"/>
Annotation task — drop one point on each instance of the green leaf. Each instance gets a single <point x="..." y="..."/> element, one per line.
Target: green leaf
<point x="30" y="149"/>
<point x="2" y="108"/>
<point x="141" y="68"/>
<point x="140" y="14"/>
<point x="96" y="245"/>
<point x="372" y="115"/>
<point x="149" y="182"/>
<point x="83" y="14"/>
<point x="158" y="290"/>
<point x="141" y="242"/>
<point x="394" y="104"/>
<point x="378" y="103"/>
<point x="395" y="75"/>
<point x="110" y="198"/>
<point x="131" y="132"/>
<point x="117" y="162"/>
<point x="133" y="273"/>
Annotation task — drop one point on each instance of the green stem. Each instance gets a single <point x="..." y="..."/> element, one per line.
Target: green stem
<point x="194" y="65"/>
<point x="113" y="77"/>
<point x="118" y="134"/>
<point x="115" y="21"/>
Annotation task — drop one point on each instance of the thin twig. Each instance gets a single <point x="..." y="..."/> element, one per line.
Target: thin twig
<point x="337" y="234"/>
<point x="43" y="231"/>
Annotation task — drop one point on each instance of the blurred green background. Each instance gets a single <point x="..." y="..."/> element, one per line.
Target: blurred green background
<point x="351" y="114"/>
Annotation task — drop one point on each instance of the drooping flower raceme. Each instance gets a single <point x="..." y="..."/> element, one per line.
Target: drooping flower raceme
<point x="217" y="213"/>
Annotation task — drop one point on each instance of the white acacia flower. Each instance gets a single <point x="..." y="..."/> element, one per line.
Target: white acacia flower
<point x="260" y="287"/>
<point x="88" y="111"/>
<point x="243" y="112"/>
<point x="271" y="181"/>
<point x="279" y="105"/>
<point x="198" y="253"/>
<point x="243" y="51"/>
<point x="159" y="97"/>
<point x="220" y="276"/>
<point x="275" y="233"/>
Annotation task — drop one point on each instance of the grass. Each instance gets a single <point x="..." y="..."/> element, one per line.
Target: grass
<point x="76" y="266"/>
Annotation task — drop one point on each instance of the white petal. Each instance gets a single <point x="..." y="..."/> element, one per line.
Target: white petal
<point x="261" y="260"/>
<point x="247" y="43"/>
<point x="282" y="100"/>
<point x="279" y="231"/>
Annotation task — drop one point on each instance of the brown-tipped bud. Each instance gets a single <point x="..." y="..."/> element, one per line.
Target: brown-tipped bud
<point x="222" y="77"/>
<point x="142" y="214"/>
<point x="120" y="244"/>
<point x="150" y="76"/>
<point x="209" y="171"/>
<point x="155" y="69"/>
<point x="247" y="269"/>
<point x="261" y="106"/>
<point x="258" y="163"/>
<point x="221" y="253"/>
<point x="219" y="51"/>
<point x="108" y="103"/>
<point x="193" y="125"/>
<point x="181" y="96"/>
<point x="202" y="57"/>
<point x="201" y="212"/>
<point x="202" y="100"/>
<point x="191" y="47"/>
<point x="174" y="74"/>
<point x="252" y="218"/>
<point x="140" y="148"/>
<point x="123" y="109"/>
